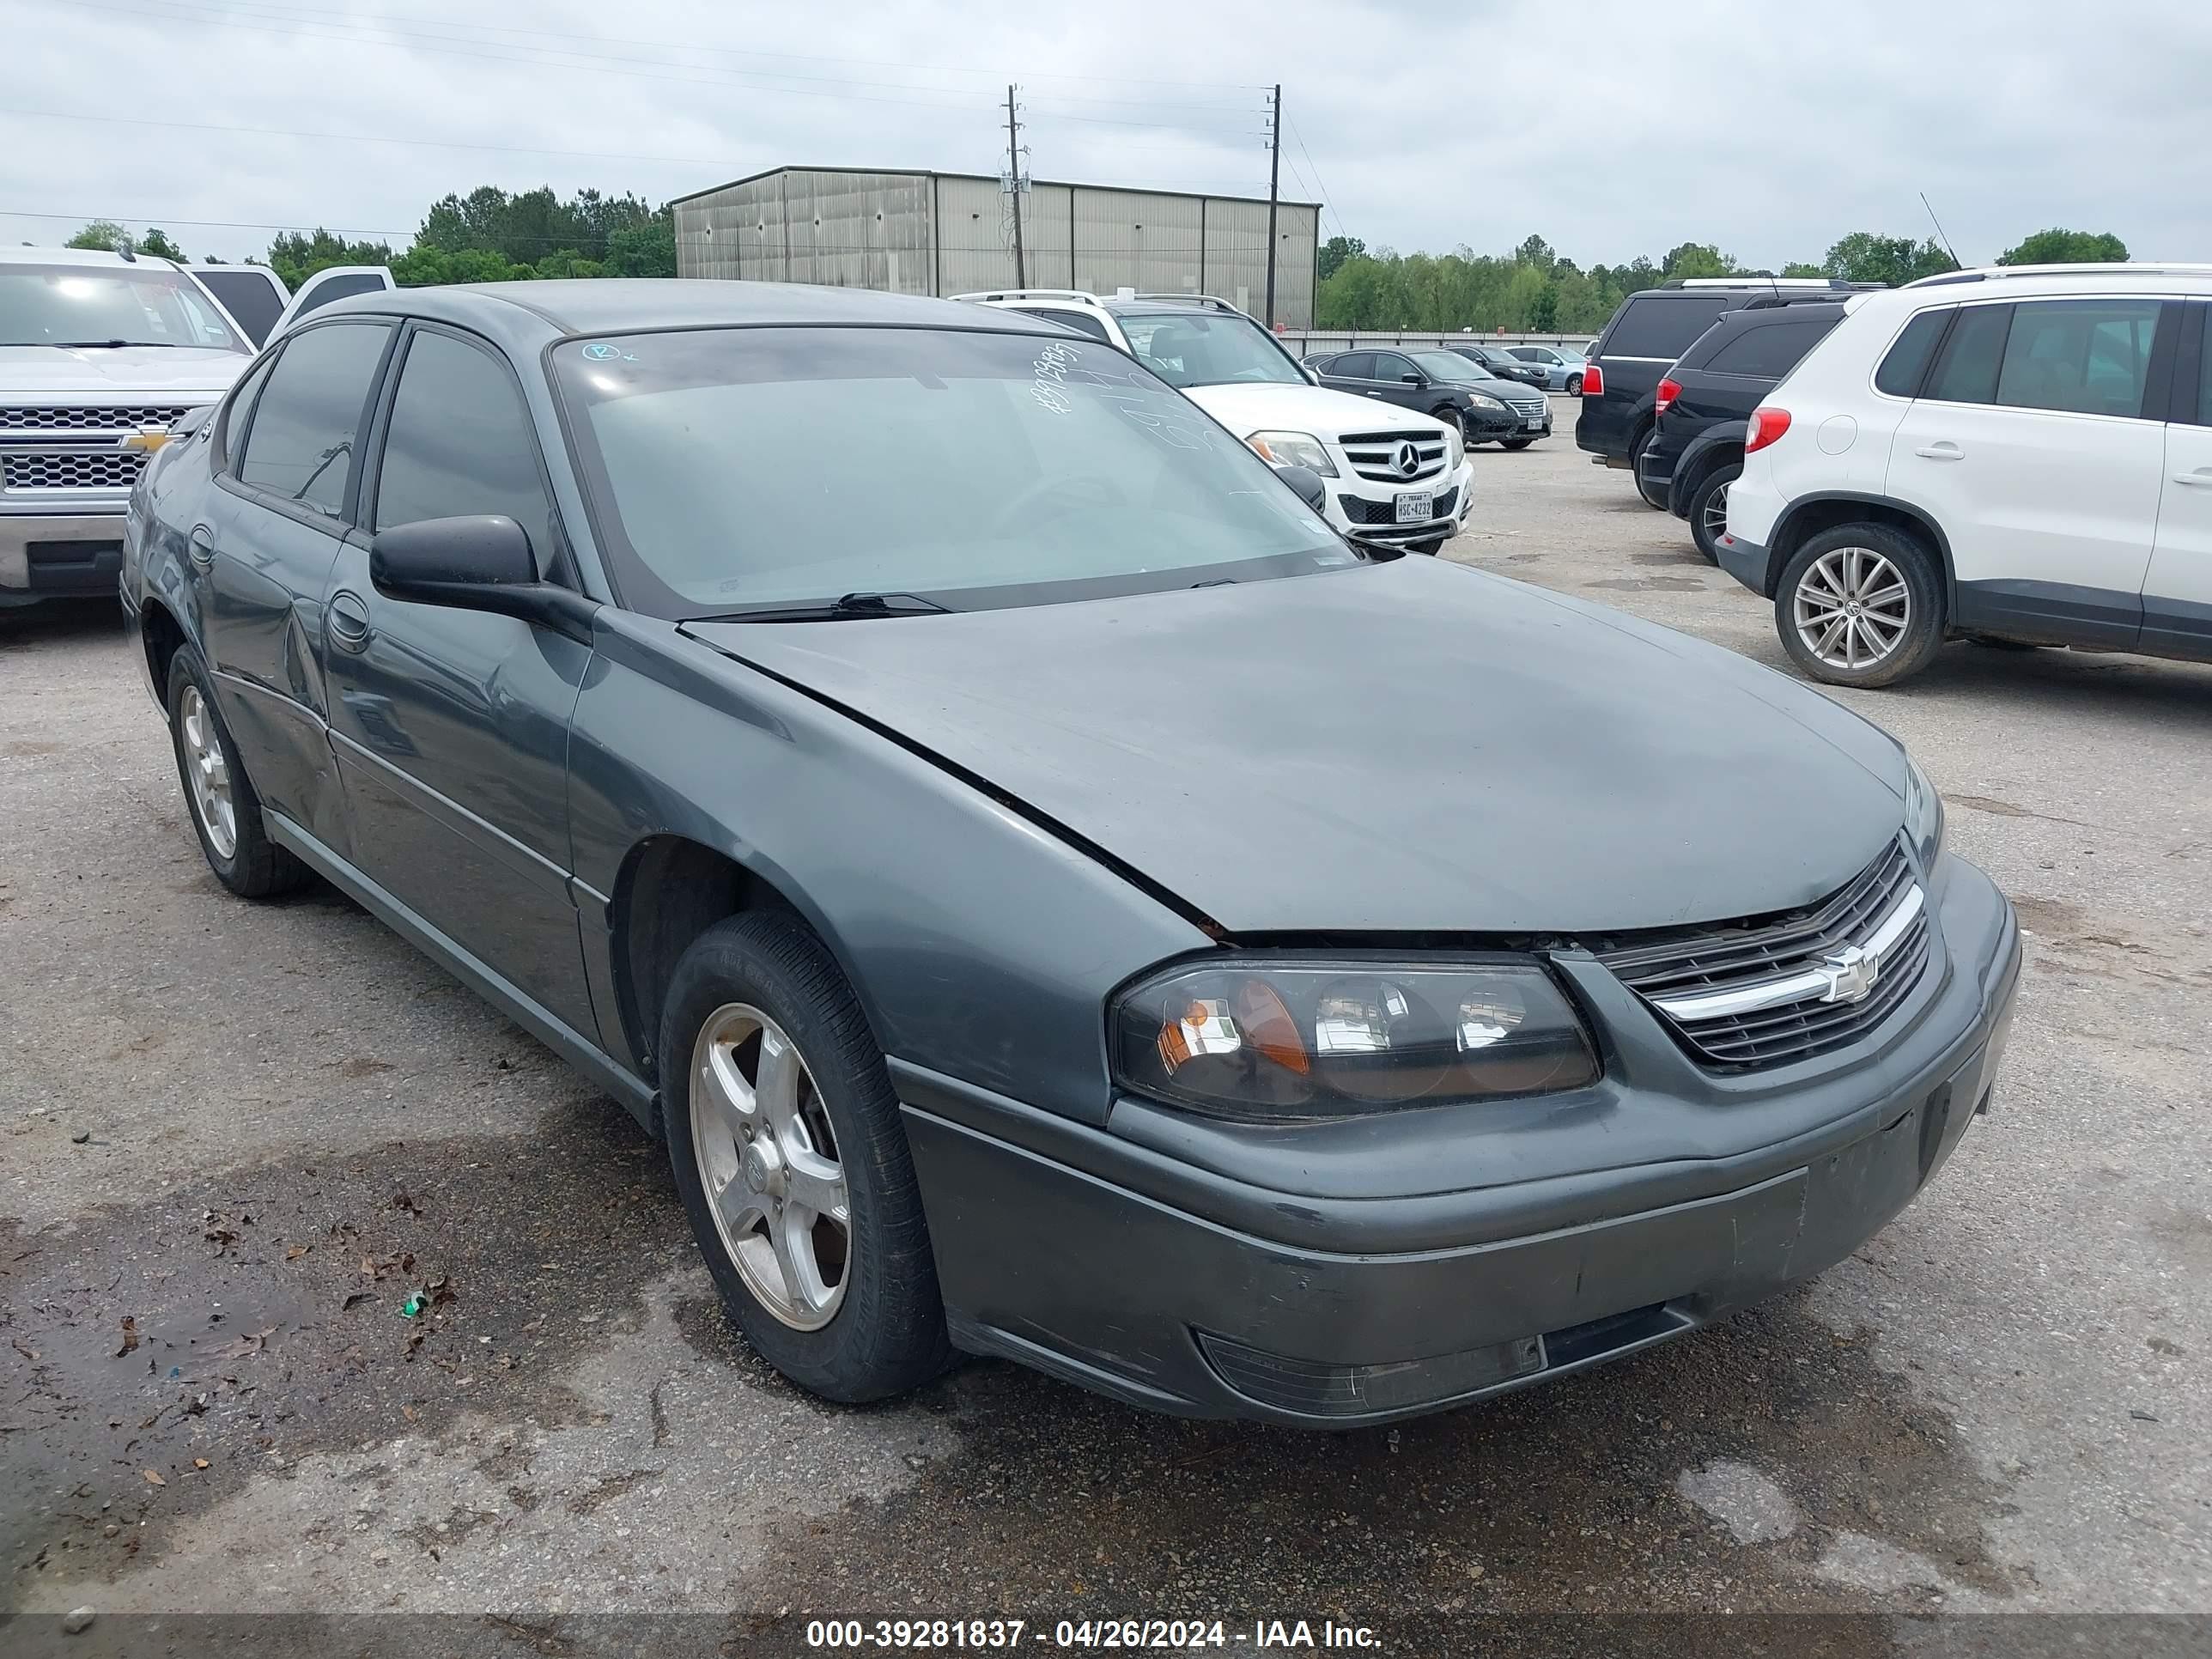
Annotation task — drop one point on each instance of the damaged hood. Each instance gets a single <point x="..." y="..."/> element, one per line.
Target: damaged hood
<point x="1404" y="748"/>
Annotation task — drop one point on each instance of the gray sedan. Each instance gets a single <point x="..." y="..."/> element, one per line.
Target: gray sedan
<point x="1056" y="898"/>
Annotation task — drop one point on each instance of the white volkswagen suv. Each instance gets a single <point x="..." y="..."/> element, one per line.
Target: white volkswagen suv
<point x="2020" y="453"/>
<point x="1392" y="476"/>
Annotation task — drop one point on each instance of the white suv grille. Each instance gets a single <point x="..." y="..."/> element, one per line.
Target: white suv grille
<point x="1379" y="457"/>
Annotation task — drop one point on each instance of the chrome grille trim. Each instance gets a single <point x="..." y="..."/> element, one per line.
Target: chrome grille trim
<point x="1372" y="455"/>
<point x="116" y="417"/>
<point x="1771" y="991"/>
<point x="113" y="469"/>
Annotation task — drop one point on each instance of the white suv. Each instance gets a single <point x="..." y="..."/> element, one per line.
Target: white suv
<point x="1392" y="476"/>
<point x="2021" y="454"/>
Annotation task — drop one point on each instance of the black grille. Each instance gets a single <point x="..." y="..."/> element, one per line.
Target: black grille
<point x="1361" y="511"/>
<point x="106" y="470"/>
<point x="1733" y="956"/>
<point x="76" y="419"/>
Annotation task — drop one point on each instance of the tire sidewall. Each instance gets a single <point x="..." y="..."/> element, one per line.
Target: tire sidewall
<point x="1924" y="583"/>
<point x="868" y="1350"/>
<point x="186" y="669"/>
<point x="1719" y="478"/>
<point x="1574" y="385"/>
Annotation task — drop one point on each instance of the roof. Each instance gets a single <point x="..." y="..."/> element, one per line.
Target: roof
<point x="628" y="305"/>
<point x="992" y="178"/>
<point x="79" y="256"/>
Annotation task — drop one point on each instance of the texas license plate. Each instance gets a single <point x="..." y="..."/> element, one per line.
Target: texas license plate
<point x="1535" y="423"/>
<point x="1417" y="506"/>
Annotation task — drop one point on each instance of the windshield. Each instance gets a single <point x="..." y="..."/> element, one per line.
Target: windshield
<point x="107" y="306"/>
<point x="735" y="469"/>
<point x="1448" y="366"/>
<point x="1192" y="348"/>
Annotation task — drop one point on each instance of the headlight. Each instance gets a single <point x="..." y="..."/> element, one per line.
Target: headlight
<point x="1293" y="449"/>
<point x="1483" y="400"/>
<point x="1455" y="445"/>
<point x="1923" y="814"/>
<point x="1283" y="1040"/>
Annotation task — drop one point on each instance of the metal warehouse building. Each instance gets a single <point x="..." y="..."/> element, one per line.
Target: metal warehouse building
<point x="951" y="233"/>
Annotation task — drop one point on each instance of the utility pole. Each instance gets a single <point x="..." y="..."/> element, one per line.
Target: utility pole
<point x="1014" y="191"/>
<point x="1274" y="182"/>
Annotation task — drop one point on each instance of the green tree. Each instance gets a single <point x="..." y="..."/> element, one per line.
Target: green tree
<point x="1536" y="251"/>
<point x="1334" y="251"/>
<point x="1866" y="255"/>
<point x="1799" y="268"/>
<point x="101" y="234"/>
<point x="531" y="224"/>
<point x="157" y="243"/>
<point x="643" y="250"/>
<point x="1696" y="259"/>
<point x="296" y="255"/>
<point x="2067" y="247"/>
<point x="1543" y="315"/>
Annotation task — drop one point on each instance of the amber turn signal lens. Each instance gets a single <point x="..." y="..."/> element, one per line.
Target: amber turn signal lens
<point x="1268" y="1026"/>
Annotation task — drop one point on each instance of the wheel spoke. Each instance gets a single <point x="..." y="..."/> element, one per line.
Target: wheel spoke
<point x="727" y="1093"/>
<point x="791" y="1236"/>
<point x="776" y="1085"/>
<point x="818" y="1185"/>
<point x="1825" y="646"/>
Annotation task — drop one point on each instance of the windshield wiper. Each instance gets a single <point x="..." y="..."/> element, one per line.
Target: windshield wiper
<point x="106" y="345"/>
<point x="850" y="606"/>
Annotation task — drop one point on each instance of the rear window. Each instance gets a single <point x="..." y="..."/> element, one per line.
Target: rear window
<point x="1767" y="349"/>
<point x="1900" y="373"/>
<point x="1662" y="324"/>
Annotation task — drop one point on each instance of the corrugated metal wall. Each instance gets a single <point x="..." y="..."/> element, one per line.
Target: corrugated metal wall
<point x="915" y="233"/>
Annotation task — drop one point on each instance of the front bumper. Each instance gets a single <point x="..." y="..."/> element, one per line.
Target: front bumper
<point x="1366" y="509"/>
<point x="1225" y="1271"/>
<point x="78" y="554"/>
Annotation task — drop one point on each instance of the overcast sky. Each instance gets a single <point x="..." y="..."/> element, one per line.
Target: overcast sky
<point x="1611" y="127"/>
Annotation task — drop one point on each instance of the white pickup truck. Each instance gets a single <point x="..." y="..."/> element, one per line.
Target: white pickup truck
<point x="101" y="354"/>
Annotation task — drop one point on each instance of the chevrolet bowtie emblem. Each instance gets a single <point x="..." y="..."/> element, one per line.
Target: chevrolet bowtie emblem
<point x="1851" y="974"/>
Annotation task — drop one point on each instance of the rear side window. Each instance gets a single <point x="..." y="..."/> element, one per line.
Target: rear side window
<point x="340" y="288"/>
<point x="1081" y="321"/>
<point x="1661" y="324"/>
<point x="459" y="443"/>
<point x="1353" y="366"/>
<point x="2081" y="356"/>
<point x="1966" y="372"/>
<point x="305" y="427"/>
<point x="1767" y="349"/>
<point x="1902" y="370"/>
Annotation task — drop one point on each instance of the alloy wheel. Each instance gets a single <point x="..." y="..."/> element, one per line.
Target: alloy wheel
<point x="1852" y="608"/>
<point x="207" y="774"/>
<point x="767" y="1158"/>
<point x="1716" y="515"/>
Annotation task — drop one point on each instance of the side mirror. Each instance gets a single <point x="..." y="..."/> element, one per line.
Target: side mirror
<point x="476" y="563"/>
<point x="1414" y="380"/>
<point x="1307" y="483"/>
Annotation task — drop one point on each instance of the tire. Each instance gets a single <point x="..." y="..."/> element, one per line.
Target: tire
<point x="1574" y="385"/>
<point x="1451" y="417"/>
<point x="219" y="797"/>
<point x="1643" y="441"/>
<point x="1832" y="565"/>
<point x="1709" y="510"/>
<point x="1431" y="547"/>
<point x="748" y="988"/>
<point x="1514" y="443"/>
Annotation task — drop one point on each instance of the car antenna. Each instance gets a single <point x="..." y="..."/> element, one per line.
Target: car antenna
<point x="1956" y="263"/>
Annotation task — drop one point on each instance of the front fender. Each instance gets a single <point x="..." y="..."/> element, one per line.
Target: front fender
<point x="982" y="945"/>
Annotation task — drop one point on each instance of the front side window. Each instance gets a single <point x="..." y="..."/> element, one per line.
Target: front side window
<point x="1390" y="366"/>
<point x="459" y="443"/>
<point x="1196" y="349"/>
<point x="2081" y="356"/>
<point x="245" y="292"/>
<point x="743" y="469"/>
<point x="108" y="307"/>
<point x="301" y="445"/>
<point x="1966" y="372"/>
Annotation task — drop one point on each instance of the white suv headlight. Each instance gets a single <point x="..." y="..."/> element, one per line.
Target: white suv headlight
<point x="1292" y="449"/>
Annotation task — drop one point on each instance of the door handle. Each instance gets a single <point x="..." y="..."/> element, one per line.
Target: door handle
<point x="2202" y="475"/>
<point x="201" y="548"/>
<point x="348" y="621"/>
<point x="1942" y="450"/>
<point x="1374" y="394"/>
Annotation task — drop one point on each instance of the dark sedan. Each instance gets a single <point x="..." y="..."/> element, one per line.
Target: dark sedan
<point x="1446" y="385"/>
<point x="1505" y="366"/>
<point x="1056" y="898"/>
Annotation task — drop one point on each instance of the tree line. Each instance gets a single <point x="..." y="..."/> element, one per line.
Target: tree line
<point x="1534" y="290"/>
<point x="485" y="236"/>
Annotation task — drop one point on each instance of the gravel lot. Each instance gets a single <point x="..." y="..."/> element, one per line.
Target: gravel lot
<point x="212" y="1403"/>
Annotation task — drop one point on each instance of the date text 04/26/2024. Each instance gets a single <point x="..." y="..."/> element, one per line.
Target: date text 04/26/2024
<point x="1154" y="1635"/>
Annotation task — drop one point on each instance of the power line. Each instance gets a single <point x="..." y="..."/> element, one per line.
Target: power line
<point x="1318" y="182"/>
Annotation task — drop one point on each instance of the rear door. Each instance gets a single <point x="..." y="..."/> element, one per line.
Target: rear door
<point x="2177" y="598"/>
<point x="2030" y="448"/>
<point x="1350" y="371"/>
<point x="264" y="546"/>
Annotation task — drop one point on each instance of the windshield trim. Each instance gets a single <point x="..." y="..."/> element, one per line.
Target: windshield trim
<point x="610" y="547"/>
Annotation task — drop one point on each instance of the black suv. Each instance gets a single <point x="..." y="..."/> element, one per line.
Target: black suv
<point x="1705" y="400"/>
<point x="1646" y="335"/>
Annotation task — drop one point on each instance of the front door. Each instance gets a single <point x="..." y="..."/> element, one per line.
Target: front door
<point x="263" y="555"/>
<point x="2030" y="448"/>
<point x="2177" y="596"/>
<point x="451" y="726"/>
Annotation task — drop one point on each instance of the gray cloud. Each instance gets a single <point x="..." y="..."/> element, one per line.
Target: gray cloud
<point x="1611" y="128"/>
